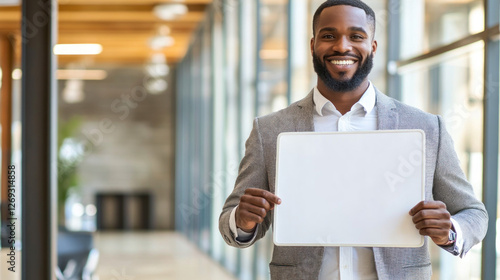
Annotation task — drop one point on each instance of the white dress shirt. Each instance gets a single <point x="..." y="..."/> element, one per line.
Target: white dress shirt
<point x="343" y="263"/>
<point x="346" y="262"/>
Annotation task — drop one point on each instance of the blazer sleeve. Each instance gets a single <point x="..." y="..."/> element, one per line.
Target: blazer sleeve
<point x="451" y="187"/>
<point x="252" y="174"/>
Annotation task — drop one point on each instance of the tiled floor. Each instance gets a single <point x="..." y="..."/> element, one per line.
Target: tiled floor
<point x="153" y="256"/>
<point x="5" y="274"/>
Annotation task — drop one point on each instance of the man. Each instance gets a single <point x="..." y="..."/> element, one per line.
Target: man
<point x="344" y="99"/>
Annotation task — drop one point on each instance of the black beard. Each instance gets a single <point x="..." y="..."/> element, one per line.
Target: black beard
<point x="338" y="85"/>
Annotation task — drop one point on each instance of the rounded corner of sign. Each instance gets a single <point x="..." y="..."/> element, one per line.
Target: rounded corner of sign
<point x="277" y="242"/>
<point x="275" y="234"/>
<point x="420" y="131"/>
<point x="420" y="243"/>
<point x="282" y="134"/>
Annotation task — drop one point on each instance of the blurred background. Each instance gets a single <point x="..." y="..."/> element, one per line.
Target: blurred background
<point x="155" y="99"/>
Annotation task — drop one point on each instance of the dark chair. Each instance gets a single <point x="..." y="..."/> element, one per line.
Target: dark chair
<point x="76" y="257"/>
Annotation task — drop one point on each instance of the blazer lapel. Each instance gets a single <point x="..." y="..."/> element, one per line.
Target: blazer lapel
<point x="304" y="114"/>
<point x="388" y="117"/>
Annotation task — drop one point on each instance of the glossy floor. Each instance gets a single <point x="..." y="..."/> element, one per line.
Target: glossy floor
<point x="153" y="256"/>
<point x="144" y="256"/>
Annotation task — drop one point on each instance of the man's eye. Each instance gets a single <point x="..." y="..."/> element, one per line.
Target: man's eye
<point x="357" y="37"/>
<point x="328" y="36"/>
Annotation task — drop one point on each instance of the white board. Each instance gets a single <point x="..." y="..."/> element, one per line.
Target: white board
<point x="349" y="188"/>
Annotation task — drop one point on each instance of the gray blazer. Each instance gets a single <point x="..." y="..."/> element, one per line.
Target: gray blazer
<point x="444" y="181"/>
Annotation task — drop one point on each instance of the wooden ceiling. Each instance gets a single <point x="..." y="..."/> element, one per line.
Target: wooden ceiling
<point x="122" y="27"/>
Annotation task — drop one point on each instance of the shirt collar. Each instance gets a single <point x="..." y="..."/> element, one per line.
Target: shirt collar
<point x="367" y="100"/>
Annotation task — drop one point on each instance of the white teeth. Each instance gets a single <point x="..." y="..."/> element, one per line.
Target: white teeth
<point x="342" y="62"/>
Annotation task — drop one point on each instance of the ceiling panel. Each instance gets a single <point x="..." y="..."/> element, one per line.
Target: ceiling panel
<point x="123" y="27"/>
<point x="130" y="2"/>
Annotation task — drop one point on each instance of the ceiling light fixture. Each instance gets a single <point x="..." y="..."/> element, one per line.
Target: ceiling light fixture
<point x="156" y="86"/>
<point x="73" y="91"/>
<point x="81" y="74"/>
<point x="160" y="41"/>
<point x="77" y="49"/>
<point x="157" y="70"/>
<point x="157" y="67"/>
<point x="164" y="30"/>
<point x="158" y="58"/>
<point x="10" y="2"/>
<point x="17" y="74"/>
<point x="70" y="74"/>
<point x="170" y="11"/>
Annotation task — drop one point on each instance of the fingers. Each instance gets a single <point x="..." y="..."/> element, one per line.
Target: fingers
<point x="427" y="205"/>
<point x="269" y="196"/>
<point x="253" y="214"/>
<point x="431" y="218"/>
<point x="430" y="214"/>
<point x="253" y="207"/>
<point x="426" y="210"/>
<point x="246" y="220"/>
<point x="255" y="201"/>
<point x="433" y="224"/>
<point x="439" y="236"/>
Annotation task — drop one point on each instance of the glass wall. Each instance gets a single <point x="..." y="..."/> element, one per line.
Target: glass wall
<point x="273" y="55"/>
<point x="235" y="70"/>
<point x="426" y="25"/>
<point x="443" y="47"/>
<point x="451" y="87"/>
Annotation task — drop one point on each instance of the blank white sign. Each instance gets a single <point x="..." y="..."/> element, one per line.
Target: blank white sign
<point x="349" y="188"/>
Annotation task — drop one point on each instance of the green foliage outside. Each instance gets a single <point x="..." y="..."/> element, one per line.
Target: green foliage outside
<point x="67" y="179"/>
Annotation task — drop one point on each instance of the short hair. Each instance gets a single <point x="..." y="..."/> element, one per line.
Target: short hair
<point x="354" y="3"/>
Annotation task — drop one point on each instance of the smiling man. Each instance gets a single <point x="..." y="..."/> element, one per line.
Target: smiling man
<point x="344" y="99"/>
<point x="343" y="48"/>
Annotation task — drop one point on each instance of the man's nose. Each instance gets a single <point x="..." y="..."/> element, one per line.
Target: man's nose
<point x="342" y="45"/>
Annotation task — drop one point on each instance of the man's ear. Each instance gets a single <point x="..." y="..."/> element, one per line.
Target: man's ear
<point x="312" y="46"/>
<point x="374" y="47"/>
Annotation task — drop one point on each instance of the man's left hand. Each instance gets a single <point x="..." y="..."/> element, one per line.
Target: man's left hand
<point x="432" y="219"/>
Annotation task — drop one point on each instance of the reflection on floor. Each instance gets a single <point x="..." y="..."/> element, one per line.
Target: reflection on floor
<point x="15" y="272"/>
<point x="153" y="256"/>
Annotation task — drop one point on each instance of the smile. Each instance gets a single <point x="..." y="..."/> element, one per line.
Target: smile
<point x="342" y="62"/>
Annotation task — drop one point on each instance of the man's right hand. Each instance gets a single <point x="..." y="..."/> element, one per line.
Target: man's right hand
<point x="253" y="208"/>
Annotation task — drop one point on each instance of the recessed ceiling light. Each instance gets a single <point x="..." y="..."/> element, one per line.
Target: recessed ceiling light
<point x="158" y="58"/>
<point x="73" y="91"/>
<point x="77" y="49"/>
<point x="157" y="70"/>
<point x="81" y="74"/>
<point x="159" y="42"/>
<point x="10" y="2"/>
<point x="156" y="86"/>
<point x="17" y="74"/>
<point x="69" y="74"/>
<point x="170" y="11"/>
<point x="164" y="30"/>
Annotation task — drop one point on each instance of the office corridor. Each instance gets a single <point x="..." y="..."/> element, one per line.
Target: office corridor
<point x="153" y="256"/>
<point x="143" y="109"/>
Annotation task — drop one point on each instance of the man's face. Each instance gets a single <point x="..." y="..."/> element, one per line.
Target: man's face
<point x="342" y="47"/>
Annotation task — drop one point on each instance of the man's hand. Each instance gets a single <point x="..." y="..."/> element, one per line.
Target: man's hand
<point x="431" y="218"/>
<point x="253" y="208"/>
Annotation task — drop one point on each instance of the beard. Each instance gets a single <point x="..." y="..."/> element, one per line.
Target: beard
<point x="342" y="85"/>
